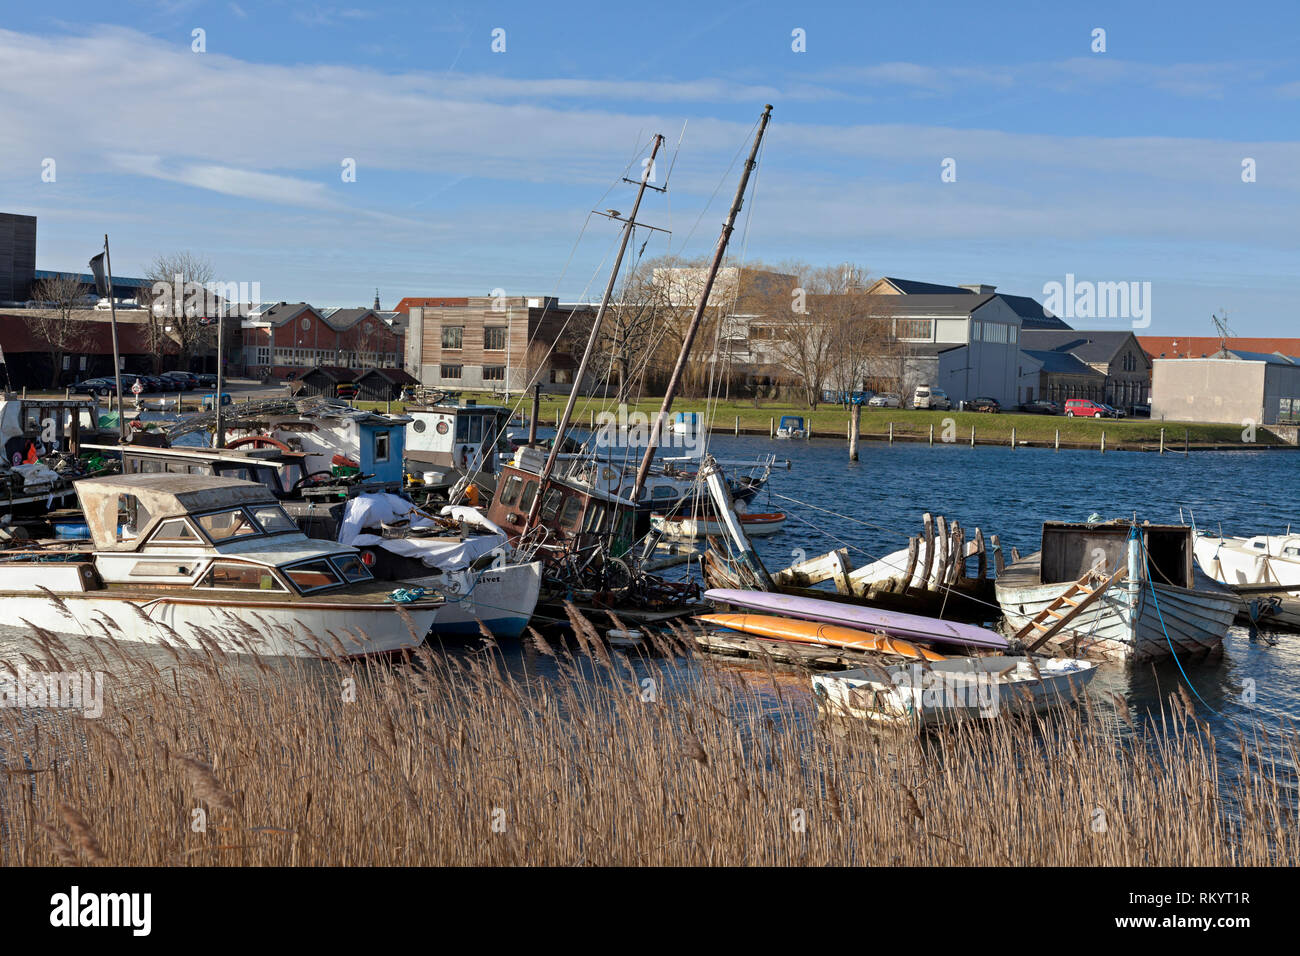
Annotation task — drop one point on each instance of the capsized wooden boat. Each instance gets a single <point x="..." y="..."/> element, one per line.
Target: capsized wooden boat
<point x="959" y="688"/>
<point x="683" y="527"/>
<point x="1165" y="605"/>
<point x="813" y="632"/>
<point x="892" y="623"/>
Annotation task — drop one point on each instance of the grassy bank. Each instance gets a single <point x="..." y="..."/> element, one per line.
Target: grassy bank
<point x="831" y="421"/>
<point x="463" y="761"/>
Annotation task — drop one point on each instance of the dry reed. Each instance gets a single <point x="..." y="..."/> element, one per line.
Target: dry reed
<point x="466" y="759"/>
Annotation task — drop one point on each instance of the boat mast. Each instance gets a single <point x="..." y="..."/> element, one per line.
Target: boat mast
<point x="562" y="425"/>
<point x="701" y="303"/>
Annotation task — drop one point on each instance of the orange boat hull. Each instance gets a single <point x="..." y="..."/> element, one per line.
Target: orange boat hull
<point x="813" y="632"/>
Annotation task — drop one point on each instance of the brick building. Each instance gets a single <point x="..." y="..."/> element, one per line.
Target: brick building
<point x="289" y="338"/>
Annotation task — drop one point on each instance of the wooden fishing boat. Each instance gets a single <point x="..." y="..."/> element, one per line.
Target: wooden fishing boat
<point x="891" y="623"/>
<point x="1068" y="594"/>
<point x="197" y="560"/>
<point x="812" y="632"/>
<point x="692" y="527"/>
<point x="959" y="688"/>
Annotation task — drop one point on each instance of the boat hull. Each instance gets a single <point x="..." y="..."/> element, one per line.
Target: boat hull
<point x="310" y="629"/>
<point x="952" y="690"/>
<point x="501" y="599"/>
<point x="691" y="528"/>
<point x="1124" y="623"/>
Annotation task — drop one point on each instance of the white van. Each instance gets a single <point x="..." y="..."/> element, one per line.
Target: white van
<point x="927" y="397"/>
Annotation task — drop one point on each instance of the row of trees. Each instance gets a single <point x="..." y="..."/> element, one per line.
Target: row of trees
<point x="174" y="333"/>
<point x="802" y="327"/>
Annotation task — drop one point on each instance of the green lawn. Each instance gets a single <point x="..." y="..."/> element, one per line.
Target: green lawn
<point x="832" y="421"/>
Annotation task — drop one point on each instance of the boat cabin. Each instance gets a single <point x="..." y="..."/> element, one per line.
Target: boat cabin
<point x="468" y="437"/>
<point x="1070" y="549"/>
<point x="206" y="532"/>
<point x="570" y="511"/>
<point x="333" y="438"/>
<point x="32" y="427"/>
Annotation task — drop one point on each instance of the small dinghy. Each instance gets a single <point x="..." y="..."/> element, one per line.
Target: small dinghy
<point x="959" y="688"/>
<point x="691" y="527"/>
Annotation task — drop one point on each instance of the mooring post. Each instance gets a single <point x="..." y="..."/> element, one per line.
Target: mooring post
<point x="737" y="425"/>
<point x="1013" y="436"/>
<point x="972" y="436"/>
<point x="1162" y="441"/>
<point x="591" y="421"/>
<point x="1187" y="438"/>
<point x="891" y="433"/>
<point x="931" y="433"/>
<point x="771" y="428"/>
<point x="855" y="414"/>
<point x="67" y="393"/>
<point x="1103" y="441"/>
<point x="1058" y="440"/>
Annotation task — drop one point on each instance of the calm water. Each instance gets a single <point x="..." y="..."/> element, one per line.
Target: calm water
<point x="871" y="507"/>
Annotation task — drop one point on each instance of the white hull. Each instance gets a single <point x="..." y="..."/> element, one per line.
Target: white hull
<point x="1245" y="562"/>
<point x="685" y="529"/>
<point x="1125" y="623"/>
<point x="291" y="629"/>
<point x="502" y="599"/>
<point x="956" y="689"/>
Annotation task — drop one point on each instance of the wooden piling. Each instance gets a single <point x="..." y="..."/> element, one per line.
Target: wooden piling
<point x="972" y="436"/>
<point x="1058" y="440"/>
<point x="931" y="433"/>
<point x="1103" y="441"/>
<point x="737" y="425"/>
<point x="891" y="433"/>
<point x="771" y="428"/>
<point x="854" y="415"/>
<point x="1162" y="441"/>
<point x="1013" y="436"/>
<point x="1187" y="440"/>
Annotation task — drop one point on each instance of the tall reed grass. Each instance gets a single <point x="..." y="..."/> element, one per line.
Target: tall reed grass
<point x="204" y="758"/>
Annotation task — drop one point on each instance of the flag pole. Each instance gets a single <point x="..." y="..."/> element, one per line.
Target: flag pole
<point x="117" y="361"/>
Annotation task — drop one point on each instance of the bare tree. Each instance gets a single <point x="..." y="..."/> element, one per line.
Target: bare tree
<point x="632" y="327"/>
<point x="178" y="306"/>
<point x="57" y="320"/>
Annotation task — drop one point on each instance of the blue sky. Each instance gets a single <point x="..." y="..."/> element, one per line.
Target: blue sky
<point x="478" y="170"/>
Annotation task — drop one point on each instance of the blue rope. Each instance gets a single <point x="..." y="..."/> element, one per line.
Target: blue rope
<point x="1133" y="533"/>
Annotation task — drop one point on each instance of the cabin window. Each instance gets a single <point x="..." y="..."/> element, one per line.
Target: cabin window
<point x="239" y="576"/>
<point x="572" y="512"/>
<point x="381" y="446"/>
<point x="132" y="517"/>
<point x="551" y="504"/>
<point x="469" y="429"/>
<point x="418" y="426"/>
<point x="664" y="491"/>
<point x="350" y="566"/>
<point x="494" y="339"/>
<point x="273" y="520"/>
<point x="453" y="336"/>
<point x="526" y="499"/>
<point x="227" y="525"/>
<point x="510" y="494"/>
<point x="175" y="531"/>
<point x="313" y="575"/>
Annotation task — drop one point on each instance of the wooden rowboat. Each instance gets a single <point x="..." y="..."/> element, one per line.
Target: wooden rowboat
<point x="813" y="632"/>
<point x="959" y="688"/>
<point x="703" y="526"/>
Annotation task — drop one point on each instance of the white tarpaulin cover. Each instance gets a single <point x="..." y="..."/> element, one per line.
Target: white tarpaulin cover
<point x="369" y="511"/>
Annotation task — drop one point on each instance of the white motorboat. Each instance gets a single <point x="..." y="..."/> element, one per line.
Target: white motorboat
<point x="199" y="560"/>
<point x="1165" y="604"/>
<point x="957" y="688"/>
<point x="1259" y="562"/>
<point x="694" y="527"/>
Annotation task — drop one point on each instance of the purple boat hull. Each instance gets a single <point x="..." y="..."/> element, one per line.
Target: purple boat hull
<point x="893" y="623"/>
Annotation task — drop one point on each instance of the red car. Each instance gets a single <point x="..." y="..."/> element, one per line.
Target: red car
<point x="1085" y="408"/>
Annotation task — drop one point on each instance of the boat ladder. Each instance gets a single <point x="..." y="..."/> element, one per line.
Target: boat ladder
<point x="1053" y="618"/>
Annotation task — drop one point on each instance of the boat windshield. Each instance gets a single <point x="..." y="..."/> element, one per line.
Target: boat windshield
<point x="272" y="519"/>
<point x="313" y="575"/>
<point x="228" y="525"/>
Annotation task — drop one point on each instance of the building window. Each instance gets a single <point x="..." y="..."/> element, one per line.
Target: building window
<point x="922" y="329"/>
<point x="561" y="376"/>
<point x="450" y="371"/>
<point x="494" y="338"/>
<point x="494" y="373"/>
<point x="452" y="337"/>
<point x="263" y="355"/>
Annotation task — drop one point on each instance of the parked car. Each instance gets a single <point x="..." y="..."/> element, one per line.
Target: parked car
<point x="103" y="387"/>
<point x="1087" y="408"/>
<point x="928" y="397"/>
<point x="1112" y="411"/>
<point x="207" y="379"/>
<point x="1142" y="410"/>
<point x="984" y="404"/>
<point x="1042" y="406"/>
<point x="346" y="390"/>
<point x="884" y="400"/>
<point x="182" y="381"/>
